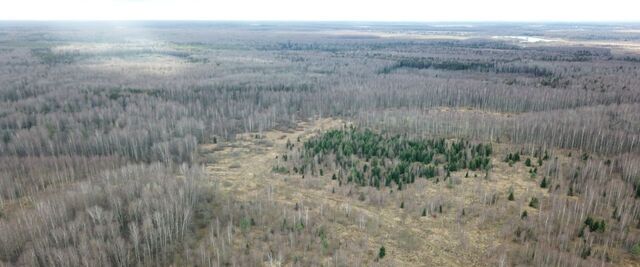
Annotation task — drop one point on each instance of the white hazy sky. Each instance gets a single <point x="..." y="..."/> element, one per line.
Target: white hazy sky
<point x="353" y="10"/>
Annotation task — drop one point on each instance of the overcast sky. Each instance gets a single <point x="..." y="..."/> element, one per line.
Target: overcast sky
<point x="354" y="10"/>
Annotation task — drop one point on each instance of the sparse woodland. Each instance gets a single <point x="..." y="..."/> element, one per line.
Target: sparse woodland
<point x="102" y="131"/>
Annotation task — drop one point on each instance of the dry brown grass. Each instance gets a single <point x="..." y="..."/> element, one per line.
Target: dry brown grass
<point x="476" y="238"/>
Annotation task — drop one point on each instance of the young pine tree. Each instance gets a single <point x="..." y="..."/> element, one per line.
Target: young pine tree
<point x="527" y="162"/>
<point x="544" y="183"/>
<point x="534" y="203"/>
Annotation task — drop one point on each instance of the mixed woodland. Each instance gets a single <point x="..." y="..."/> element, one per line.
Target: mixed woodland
<point x="101" y="129"/>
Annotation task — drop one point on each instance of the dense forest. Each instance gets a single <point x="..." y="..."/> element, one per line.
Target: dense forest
<point x="104" y="131"/>
<point x="369" y="159"/>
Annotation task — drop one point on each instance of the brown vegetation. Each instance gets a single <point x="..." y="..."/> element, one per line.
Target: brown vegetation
<point x="173" y="143"/>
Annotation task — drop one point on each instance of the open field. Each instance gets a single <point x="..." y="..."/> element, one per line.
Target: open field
<point x="244" y="170"/>
<point x="319" y="144"/>
<point x="479" y="235"/>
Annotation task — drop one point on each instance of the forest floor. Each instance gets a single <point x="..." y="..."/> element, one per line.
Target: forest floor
<point x="466" y="230"/>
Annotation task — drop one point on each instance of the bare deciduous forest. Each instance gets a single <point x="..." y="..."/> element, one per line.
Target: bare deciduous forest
<point x="319" y="144"/>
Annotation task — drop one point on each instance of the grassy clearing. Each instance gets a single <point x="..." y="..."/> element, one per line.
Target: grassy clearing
<point x="464" y="218"/>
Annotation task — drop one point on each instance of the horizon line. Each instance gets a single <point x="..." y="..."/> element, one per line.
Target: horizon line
<point x="323" y="21"/>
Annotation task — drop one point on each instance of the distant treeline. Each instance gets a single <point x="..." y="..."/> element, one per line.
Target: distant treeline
<point x="456" y="65"/>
